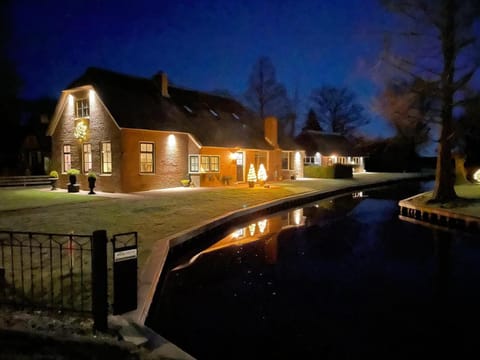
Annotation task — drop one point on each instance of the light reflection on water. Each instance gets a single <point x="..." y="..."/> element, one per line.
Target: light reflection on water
<point x="337" y="278"/>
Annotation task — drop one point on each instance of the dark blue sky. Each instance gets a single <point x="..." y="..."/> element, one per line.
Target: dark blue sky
<point x="204" y="45"/>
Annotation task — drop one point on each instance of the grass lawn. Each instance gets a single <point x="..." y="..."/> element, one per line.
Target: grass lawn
<point x="468" y="202"/>
<point x="155" y="215"/>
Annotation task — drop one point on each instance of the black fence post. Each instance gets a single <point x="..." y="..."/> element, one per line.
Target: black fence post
<point x="99" y="280"/>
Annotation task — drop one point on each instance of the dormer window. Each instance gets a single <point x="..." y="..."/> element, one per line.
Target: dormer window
<point x="82" y="108"/>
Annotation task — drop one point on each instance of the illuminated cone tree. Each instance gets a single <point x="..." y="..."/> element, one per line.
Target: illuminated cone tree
<point x="251" y="177"/>
<point x="262" y="174"/>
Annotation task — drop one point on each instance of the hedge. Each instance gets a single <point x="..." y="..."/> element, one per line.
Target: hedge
<point x="336" y="171"/>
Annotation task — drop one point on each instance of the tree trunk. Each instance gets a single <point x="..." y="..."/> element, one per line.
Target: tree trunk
<point x="444" y="190"/>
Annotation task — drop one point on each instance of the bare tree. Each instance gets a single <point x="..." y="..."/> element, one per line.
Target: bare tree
<point x="439" y="35"/>
<point x="265" y="94"/>
<point x="338" y="110"/>
<point x="409" y="108"/>
<point x="312" y="122"/>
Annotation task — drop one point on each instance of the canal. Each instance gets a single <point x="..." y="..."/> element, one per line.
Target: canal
<point x="336" y="279"/>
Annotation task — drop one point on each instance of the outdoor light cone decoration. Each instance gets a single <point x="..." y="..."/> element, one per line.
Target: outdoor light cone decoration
<point x="262" y="174"/>
<point x="251" y="177"/>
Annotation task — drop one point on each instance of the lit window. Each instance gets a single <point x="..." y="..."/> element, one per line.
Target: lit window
<point x="205" y="163"/>
<point x="82" y="108"/>
<point x="194" y="164"/>
<point x="87" y="157"/>
<point x="214" y="163"/>
<point x="210" y="163"/>
<point x="287" y="160"/>
<point x="67" y="158"/>
<point x="146" y="158"/>
<point x="106" y="158"/>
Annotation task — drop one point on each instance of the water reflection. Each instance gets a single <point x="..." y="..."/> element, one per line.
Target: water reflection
<point x="340" y="278"/>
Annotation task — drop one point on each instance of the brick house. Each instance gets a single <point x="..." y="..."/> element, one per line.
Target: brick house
<point x="139" y="134"/>
<point x="325" y="149"/>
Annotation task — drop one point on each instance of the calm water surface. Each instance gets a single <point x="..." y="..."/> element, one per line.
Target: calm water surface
<point x="336" y="279"/>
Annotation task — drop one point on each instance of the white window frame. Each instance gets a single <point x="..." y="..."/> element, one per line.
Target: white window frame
<point x="87" y="160"/>
<point x="204" y="164"/>
<point x="290" y="160"/>
<point x="66" y="157"/>
<point x="82" y="108"/>
<point x="106" y="157"/>
<point x="195" y="169"/>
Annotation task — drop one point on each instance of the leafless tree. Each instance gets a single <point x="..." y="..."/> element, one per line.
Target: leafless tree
<point x="265" y="94"/>
<point x="409" y="108"/>
<point x="436" y="43"/>
<point x="338" y="110"/>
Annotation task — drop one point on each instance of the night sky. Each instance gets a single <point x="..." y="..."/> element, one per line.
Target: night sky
<point x="201" y="44"/>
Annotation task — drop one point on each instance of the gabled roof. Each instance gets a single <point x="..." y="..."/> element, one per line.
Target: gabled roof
<point x="325" y="143"/>
<point x="137" y="102"/>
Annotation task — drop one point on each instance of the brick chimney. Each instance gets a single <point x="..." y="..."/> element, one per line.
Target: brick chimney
<point x="271" y="131"/>
<point x="161" y="80"/>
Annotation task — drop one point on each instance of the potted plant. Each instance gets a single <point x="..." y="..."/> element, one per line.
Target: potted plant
<point x="92" y="178"/>
<point x="72" y="177"/>
<point x="185" y="182"/>
<point x="53" y="179"/>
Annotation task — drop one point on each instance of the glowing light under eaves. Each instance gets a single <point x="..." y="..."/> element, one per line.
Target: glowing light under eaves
<point x="171" y="140"/>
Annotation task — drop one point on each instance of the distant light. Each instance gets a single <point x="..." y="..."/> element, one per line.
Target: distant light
<point x="91" y="93"/>
<point x="476" y="175"/>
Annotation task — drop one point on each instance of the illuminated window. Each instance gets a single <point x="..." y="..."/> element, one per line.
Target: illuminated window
<point x="82" y="108"/>
<point x="67" y="158"/>
<point x="210" y="163"/>
<point x="194" y="164"/>
<point x="87" y="157"/>
<point x="106" y="157"/>
<point x="146" y="158"/>
<point x="206" y="163"/>
<point x="287" y="160"/>
<point x="214" y="163"/>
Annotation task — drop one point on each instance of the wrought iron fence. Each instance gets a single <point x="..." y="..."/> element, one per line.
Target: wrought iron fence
<point x="41" y="270"/>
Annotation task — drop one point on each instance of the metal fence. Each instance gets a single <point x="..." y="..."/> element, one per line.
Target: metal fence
<point x="49" y="271"/>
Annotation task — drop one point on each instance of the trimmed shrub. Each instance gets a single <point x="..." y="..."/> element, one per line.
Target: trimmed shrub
<point x="337" y="171"/>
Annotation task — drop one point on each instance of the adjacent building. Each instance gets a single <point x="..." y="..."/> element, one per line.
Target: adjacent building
<point x="325" y="149"/>
<point x="139" y="134"/>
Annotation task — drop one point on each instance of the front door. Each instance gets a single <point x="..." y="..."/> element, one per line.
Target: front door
<point x="239" y="156"/>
